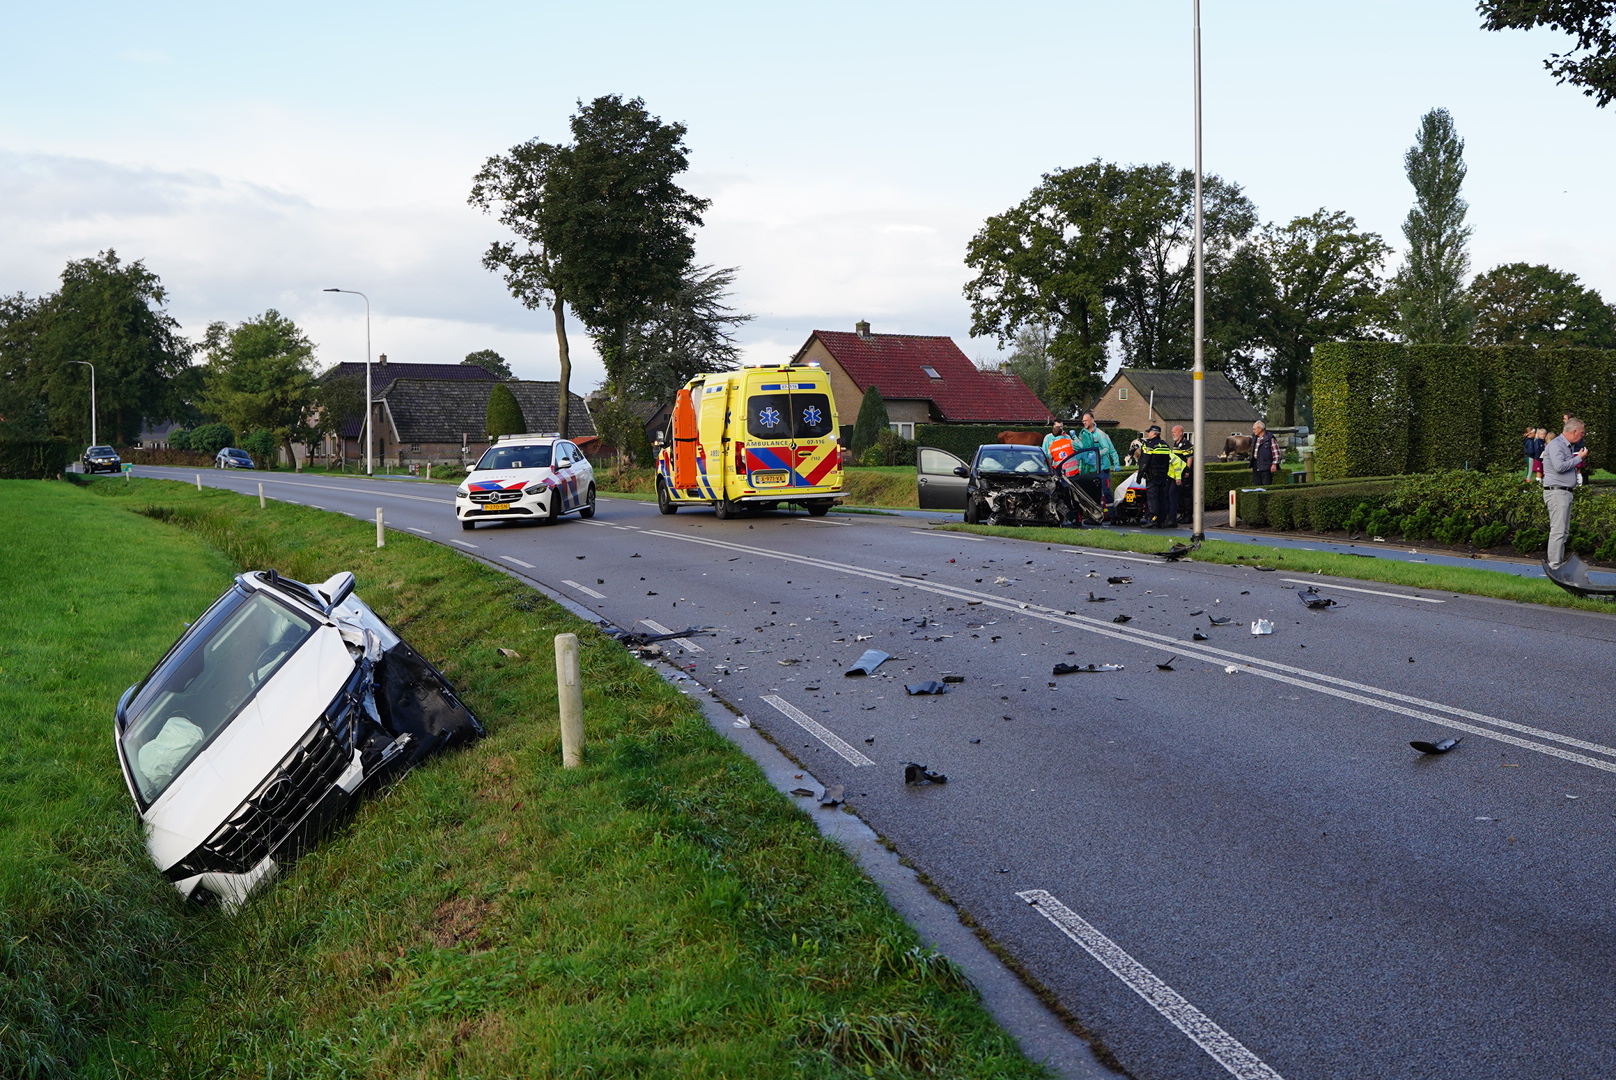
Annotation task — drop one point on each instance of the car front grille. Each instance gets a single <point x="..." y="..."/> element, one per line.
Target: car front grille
<point x="297" y="801"/>
<point x="495" y="496"/>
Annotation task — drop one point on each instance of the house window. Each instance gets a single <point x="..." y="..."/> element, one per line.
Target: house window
<point x="1122" y="393"/>
<point x="931" y="372"/>
<point x="905" y="431"/>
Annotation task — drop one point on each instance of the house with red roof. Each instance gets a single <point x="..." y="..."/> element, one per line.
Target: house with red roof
<point x="923" y="380"/>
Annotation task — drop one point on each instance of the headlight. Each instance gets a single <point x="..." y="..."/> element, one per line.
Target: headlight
<point x="535" y="488"/>
<point x="462" y="491"/>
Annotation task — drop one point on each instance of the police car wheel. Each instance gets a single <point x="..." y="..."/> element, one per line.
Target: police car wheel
<point x="587" y="511"/>
<point x="467" y="526"/>
<point x="663" y="502"/>
<point x="553" y="515"/>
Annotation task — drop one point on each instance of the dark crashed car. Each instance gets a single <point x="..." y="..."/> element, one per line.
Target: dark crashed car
<point x="266" y="721"/>
<point x="1003" y="485"/>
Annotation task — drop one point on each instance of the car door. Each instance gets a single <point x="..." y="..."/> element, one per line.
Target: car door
<point x="940" y="488"/>
<point x="566" y="474"/>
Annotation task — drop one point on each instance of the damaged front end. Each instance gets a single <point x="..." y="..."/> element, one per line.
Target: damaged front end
<point x="266" y="721"/>
<point x="1020" y="500"/>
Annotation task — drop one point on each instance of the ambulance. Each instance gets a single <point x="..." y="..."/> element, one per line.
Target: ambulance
<point x="746" y="441"/>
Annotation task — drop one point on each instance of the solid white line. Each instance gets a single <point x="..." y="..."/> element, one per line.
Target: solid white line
<point x="1372" y="592"/>
<point x="1124" y="558"/>
<point x="518" y="562"/>
<point x="818" y="730"/>
<point x="585" y="589"/>
<point x="423" y="532"/>
<point x="462" y="543"/>
<point x="358" y="490"/>
<point x="684" y="643"/>
<point x="955" y="535"/>
<point x="1224" y="1048"/>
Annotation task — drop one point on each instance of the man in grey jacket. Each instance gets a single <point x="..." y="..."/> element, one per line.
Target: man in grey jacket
<point x="1559" y="481"/>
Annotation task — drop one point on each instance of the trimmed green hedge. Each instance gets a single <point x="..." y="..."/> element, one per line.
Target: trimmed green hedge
<point x="1310" y="507"/>
<point x="34" y="459"/>
<point x="1386" y="408"/>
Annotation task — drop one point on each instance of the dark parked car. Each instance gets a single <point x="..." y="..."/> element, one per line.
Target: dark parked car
<point x="231" y="458"/>
<point x="101" y="459"/>
<point x="1003" y="485"/>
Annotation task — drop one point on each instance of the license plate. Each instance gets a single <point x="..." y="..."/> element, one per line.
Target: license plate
<point x="493" y="508"/>
<point x="774" y="478"/>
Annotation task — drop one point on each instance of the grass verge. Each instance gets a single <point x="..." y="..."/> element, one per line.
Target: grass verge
<point x="661" y="911"/>
<point x="1435" y="578"/>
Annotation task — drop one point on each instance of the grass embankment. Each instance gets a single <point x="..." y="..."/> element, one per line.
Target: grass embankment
<point x="1436" y="578"/>
<point x="661" y="911"/>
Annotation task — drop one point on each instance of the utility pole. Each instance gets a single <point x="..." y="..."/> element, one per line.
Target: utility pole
<point x="93" y="440"/>
<point x="1198" y="372"/>
<point x="369" y="470"/>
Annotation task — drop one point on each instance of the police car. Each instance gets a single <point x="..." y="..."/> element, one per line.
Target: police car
<point x="527" y="478"/>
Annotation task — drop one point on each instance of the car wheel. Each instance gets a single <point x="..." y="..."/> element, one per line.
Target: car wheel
<point x="664" y="502"/>
<point x="587" y="511"/>
<point x="725" y="509"/>
<point x="819" y="509"/>
<point x="973" y="512"/>
<point x="467" y="526"/>
<point x="554" y="514"/>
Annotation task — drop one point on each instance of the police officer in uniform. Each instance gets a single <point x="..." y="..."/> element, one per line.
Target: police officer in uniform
<point x="1183" y="482"/>
<point x="1155" y="460"/>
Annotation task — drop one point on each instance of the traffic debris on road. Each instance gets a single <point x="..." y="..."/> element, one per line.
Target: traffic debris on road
<point x="1073" y="669"/>
<point x="1313" y="601"/>
<point x="1099" y="599"/>
<point x="930" y="686"/>
<point x="1119" y="581"/>
<point x="1220" y="620"/>
<point x="1123" y="619"/>
<point x="1437" y="747"/>
<point x="920" y="776"/>
<point x="1176" y="552"/>
<point x="742" y="722"/>
<point x="1198" y="636"/>
<point x="802" y="792"/>
<point x="638" y="639"/>
<point x="866" y="665"/>
<point x="832" y="797"/>
<point x="1167" y="666"/>
<point x="953" y="678"/>
<point x="1260" y="627"/>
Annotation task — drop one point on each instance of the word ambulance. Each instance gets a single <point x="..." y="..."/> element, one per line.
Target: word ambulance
<point x="750" y="440"/>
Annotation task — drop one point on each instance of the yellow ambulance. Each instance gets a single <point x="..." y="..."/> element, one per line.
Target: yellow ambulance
<point x="749" y="440"/>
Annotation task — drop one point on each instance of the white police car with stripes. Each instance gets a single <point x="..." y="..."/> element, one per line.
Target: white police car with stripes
<point x="527" y="478"/>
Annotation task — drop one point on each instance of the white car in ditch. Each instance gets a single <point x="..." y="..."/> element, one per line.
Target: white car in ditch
<point x="266" y="720"/>
<point x="527" y="478"/>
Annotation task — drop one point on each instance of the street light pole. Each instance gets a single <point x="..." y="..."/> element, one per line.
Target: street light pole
<point x="369" y="470"/>
<point x="93" y="440"/>
<point x="1198" y="374"/>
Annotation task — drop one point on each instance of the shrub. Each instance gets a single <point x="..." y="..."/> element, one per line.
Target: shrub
<point x="179" y="439"/>
<point x="1580" y="542"/>
<point x="1419" y="525"/>
<point x="1358" y="519"/>
<point x="872" y="421"/>
<point x="1453" y="529"/>
<point x="1528" y="541"/>
<point x="211" y="438"/>
<point x="262" y="445"/>
<point x="1492" y="535"/>
<point x="504" y="416"/>
<point x="873" y="457"/>
<point x="34" y="459"/>
<point x="895" y="449"/>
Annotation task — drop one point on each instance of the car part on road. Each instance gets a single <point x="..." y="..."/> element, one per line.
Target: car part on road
<point x="1260" y="627"/>
<point x="1099" y="599"/>
<point x="1123" y="619"/>
<point x="1177" y="551"/>
<point x="1436" y="748"/>
<point x="919" y="775"/>
<point x="1073" y="669"/>
<point x="1313" y="601"/>
<point x="1198" y="636"/>
<point x="866" y="665"/>
<point x="953" y="678"/>
<point x="832" y="797"/>
<point x="635" y="639"/>
<point x="931" y="686"/>
<point x="1167" y="666"/>
<point x="1572" y="576"/>
<point x="1119" y="580"/>
<point x="1220" y="620"/>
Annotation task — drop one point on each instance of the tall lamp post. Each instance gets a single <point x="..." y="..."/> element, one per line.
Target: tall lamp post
<point x="93" y="440"/>
<point x="369" y="470"/>
<point x="1198" y="372"/>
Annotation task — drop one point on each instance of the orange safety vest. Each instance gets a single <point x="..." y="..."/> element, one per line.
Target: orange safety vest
<point x="1061" y="449"/>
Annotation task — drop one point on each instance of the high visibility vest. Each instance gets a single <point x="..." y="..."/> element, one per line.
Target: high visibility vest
<point x="1061" y="449"/>
<point x="1177" y="463"/>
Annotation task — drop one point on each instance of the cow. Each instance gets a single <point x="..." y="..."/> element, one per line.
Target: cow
<point x="1236" y="447"/>
<point x="1021" y="438"/>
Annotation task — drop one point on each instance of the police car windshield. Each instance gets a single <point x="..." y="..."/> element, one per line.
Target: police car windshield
<point x="516" y="457"/>
<point x="1006" y="459"/>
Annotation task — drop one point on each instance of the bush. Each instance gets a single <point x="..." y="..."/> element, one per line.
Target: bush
<point x="1528" y="541"/>
<point x="1487" y="536"/>
<point x="179" y="439"/>
<point x="1453" y="529"/>
<point x="34" y="459"/>
<point x="504" y="416"/>
<point x="211" y="438"/>
<point x="895" y="449"/>
<point x="158" y="455"/>
<point x="873" y="457"/>
<point x="871" y="423"/>
<point x="262" y="445"/>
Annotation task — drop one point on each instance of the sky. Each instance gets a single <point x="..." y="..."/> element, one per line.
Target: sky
<point x="253" y="155"/>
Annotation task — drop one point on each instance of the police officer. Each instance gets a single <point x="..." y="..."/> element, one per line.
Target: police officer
<point x="1155" y="459"/>
<point x="1184" y="484"/>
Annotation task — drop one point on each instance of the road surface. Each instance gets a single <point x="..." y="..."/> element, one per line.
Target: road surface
<point x="1236" y="867"/>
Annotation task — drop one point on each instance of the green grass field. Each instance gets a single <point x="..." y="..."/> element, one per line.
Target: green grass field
<point x="661" y="911"/>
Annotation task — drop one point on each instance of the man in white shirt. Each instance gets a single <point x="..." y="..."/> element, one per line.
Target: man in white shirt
<point x="1559" y="482"/>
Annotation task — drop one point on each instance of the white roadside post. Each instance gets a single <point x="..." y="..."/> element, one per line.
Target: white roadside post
<point x="199" y="481"/>
<point x="1234" y="501"/>
<point x="429" y="470"/>
<point x="381" y="537"/>
<point x="260" y="495"/>
<point x="570" y="698"/>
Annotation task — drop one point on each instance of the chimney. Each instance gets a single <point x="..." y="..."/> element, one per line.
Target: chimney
<point x="382" y="359"/>
<point x="863" y="329"/>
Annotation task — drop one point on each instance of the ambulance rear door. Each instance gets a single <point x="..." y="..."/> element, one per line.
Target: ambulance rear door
<point x="789" y="430"/>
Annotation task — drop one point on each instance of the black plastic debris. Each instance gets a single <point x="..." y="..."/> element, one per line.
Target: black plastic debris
<point x="635" y="639"/>
<point x="802" y="792"/>
<point x="1176" y="552"/>
<point x="1197" y="611"/>
<point x="1073" y="669"/>
<point x="872" y="659"/>
<point x="975" y="741"/>
<point x="636" y="555"/>
<point x="1220" y="620"/>
<point x="919" y="775"/>
<point x="1198" y="636"/>
<point x="1264" y="569"/>
<point x="1119" y="580"/>
<point x="1166" y="666"/>
<point x="1099" y="599"/>
<point x="953" y="678"/>
<point x="1313" y="601"/>
<point x="1572" y="576"/>
<point x="832" y="797"/>
<point x="1435" y="748"/>
<point x="930" y="686"/>
<point x="1123" y="619"/>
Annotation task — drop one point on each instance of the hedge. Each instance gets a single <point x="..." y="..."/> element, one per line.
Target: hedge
<point x="1309" y="507"/>
<point x="164" y="455"/>
<point x="34" y="459"/>
<point x="1386" y="408"/>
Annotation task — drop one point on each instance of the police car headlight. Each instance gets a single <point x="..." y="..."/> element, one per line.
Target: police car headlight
<point x="534" y="489"/>
<point x="462" y="492"/>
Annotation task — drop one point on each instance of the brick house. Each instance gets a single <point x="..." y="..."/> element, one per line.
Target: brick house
<point x="1138" y="397"/>
<point x="923" y="380"/>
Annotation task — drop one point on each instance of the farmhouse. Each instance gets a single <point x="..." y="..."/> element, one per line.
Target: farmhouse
<point x="1138" y="397"/>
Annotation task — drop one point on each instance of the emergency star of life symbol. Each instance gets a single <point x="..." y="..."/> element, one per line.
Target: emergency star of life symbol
<point x="769" y="417"/>
<point x="811" y="416"/>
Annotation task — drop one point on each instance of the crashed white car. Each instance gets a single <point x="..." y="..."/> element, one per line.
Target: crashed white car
<point x="266" y="720"/>
<point x="527" y="478"/>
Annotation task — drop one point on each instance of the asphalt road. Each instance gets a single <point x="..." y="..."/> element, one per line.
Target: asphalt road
<point x="1237" y="867"/>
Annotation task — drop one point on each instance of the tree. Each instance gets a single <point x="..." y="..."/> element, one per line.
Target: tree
<point x="260" y="375"/>
<point x="872" y="421"/>
<point x="335" y="403"/>
<point x="491" y="362"/>
<point x="1315" y="279"/>
<point x="1589" y="21"/>
<point x="1521" y="304"/>
<point x="684" y="336"/>
<point x="504" y="413"/>
<point x="1432" y="307"/>
<point x="1029" y="360"/>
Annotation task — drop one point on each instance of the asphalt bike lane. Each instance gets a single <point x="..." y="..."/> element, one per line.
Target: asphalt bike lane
<point x="1302" y="892"/>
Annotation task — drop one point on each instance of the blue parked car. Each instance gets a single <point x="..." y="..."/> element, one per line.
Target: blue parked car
<point x="231" y="458"/>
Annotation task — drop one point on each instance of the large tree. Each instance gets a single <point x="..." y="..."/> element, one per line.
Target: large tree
<point x="491" y="362"/>
<point x="110" y="314"/>
<point x="1591" y="62"/>
<point x="1029" y="360"/>
<point x="1522" y="304"/>
<point x="679" y="338"/>
<point x="1432" y="305"/>
<point x="260" y="376"/>
<point x="1292" y="287"/>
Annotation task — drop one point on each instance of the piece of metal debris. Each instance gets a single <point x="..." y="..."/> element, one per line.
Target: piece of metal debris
<point x="953" y="678"/>
<point x="1313" y="601"/>
<point x="742" y="722"/>
<point x="512" y="653"/>
<point x="1119" y="580"/>
<point x="919" y="775"/>
<point x="1220" y="620"/>
<point x="1072" y="669"/>
<point x="832" y="797"/>
<point x="930" y="686"/>
<point x="866" y="665"/>
<point x="1167" y="666"/>
<point x="1436" y="748"/>
<point x="1123" y="619"/>
<point x="638" y="639"/>
<point x="1198" y="636"/>
<point x="802" y="792"/>
<point x="1099" y="599"/>
<point x="787" y="663"/>
<point x="1176" y="552"/>
<point x="1260" y="627"/>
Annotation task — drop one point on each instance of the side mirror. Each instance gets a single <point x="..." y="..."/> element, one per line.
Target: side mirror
<point x="960" y="470"/>
<point x="335" y="589"/>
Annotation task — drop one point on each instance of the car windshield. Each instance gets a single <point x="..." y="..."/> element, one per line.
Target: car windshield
<point x="106" y="451"/>
<point x="1012" y="459"/>
<point x="516" y="457"/>
<point x="198" y="689"/>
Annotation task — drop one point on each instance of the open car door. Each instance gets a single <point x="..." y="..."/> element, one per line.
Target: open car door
<point x="940" y="487"/>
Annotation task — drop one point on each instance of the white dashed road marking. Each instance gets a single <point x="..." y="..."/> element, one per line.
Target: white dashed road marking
<point x="423" y="532"/>
<point x="952" y="535"/>
<point x="585" y="589"/>
<point x="518" y="562"/>
<point x="1372" y="592"/>
<point x="818" y="730"/>
<point x="1224" y="1048"/>
<point x="462" y="543"/>
<point x="684" y="643"/>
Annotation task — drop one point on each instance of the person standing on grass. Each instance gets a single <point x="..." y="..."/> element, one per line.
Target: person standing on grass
<point x="1264" y="455"/>
<point x="1541" y="439"/>
<point x="1560" y="463"/>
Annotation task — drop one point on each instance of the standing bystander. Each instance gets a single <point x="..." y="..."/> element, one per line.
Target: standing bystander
<point x="1098" y="453"/>
<point x="1264" y="455"/>
<point x="1560" y="464"/>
